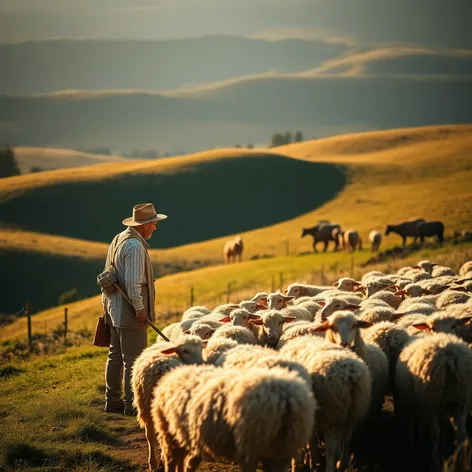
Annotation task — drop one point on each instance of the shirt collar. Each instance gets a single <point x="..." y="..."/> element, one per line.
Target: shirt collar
<point x="132" y="231"/>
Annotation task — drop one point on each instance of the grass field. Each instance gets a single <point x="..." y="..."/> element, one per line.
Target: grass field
<point x="382" y="177"/>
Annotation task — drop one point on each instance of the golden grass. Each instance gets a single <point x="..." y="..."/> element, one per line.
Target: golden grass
<point x="57" y="158"/>
<point x="392" y="175"/>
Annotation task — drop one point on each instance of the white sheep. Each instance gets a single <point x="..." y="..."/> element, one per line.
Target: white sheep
<point x="299" y="312"/>
<point x="300" y="290"/>
<point x="440" y="271"/>
<point x="297" y="329"/>
<point x="443" y="322"/>
<point x="217" y="346"/>
<point x="451" y="297"/>
<point x="377" y="314"/>
<point x="277" y="300"/>
<point x="195" y="312"/>
<point x="246" y="415"/>
<point x="343" y="386"/>
<point x="334" y="304"/>
<point x="237" y="333"/>
<point x="388" y="297"/>
<point x="271" y="325"/>
<point x="465" y="268"/>
<point x="375" y="238"/>
<point x="344" y="329"/>
<point x="347" y="284"/>
<point x="430" y="389"/>
<point x="148" y="369"/>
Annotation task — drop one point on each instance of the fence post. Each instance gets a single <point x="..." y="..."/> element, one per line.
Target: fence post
<point x="30" y="334"/>
<point x="281" y="280"/>
<point x="65" y="324"/>
<point x="351" y="273"/>
<point x="228" y="292"/>
<point x="192" y="298"/>
<point x="287" y="248"/>
<point x="322" y="277"/>
<point x="273" y="284"/>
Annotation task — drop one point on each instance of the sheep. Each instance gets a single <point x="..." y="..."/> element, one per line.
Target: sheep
<point x="374" y="285"/>
<point x="242" y="317"/>
<point x="260" y="297"/>
<point x="245" y="356"/>
<point x="426" y="266"/>
<point x="347" y="284"/>
<point x="375" y="238"/>
<point x="441" y="271"/>
<point x="388" y="297"/>
<point x="378" y="314"/>
<point x="277" y="301"/>
<point x="216" y="347"/>
<point x="252" y="306"/>
<point x="232" y="249"/>
<point x="343" y="328"/>
<point x="311" y="306"/>
<point x="406" y="229"/>
<point x="451" y="297"/>
<point x="202" y="330"/>
<point x="412" y="306"/>
<point x="237" y="333"/>
<point x="343" y="387"/>
<point x="431" y="228"/>
<point x="299" y="312"/>
<point x="246" y="415"/>
<point x="371" y="274"/>
<point x="270" y="326"/>
<point x="413" y="290"/>
<point x="148" y="369"/>
<point x="322" y="233"/>
<point x="297" y="329"/>
<point x="224" y="310"/>
<point x="465" y="268"/>
<point x="390" y="338"/>
<point x="443" y="322"/>
<point x="301" y="290"/>
<point x="432" y="383"/>
<point x="338" y="303"/>
<point x="195" y="312"/>
<point x="351" y="240"/>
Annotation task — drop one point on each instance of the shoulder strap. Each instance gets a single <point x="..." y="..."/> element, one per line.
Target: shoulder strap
<point x="117" y="245"/>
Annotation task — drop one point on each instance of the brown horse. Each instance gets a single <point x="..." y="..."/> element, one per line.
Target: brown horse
<point x="232" y="249"/>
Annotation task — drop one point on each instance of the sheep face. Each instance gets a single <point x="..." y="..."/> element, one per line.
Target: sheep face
<point x="273" y="323"/>
<point x="346" y="284"/>
<point x="203" y="331"/>
<point x="252" y="306"/>
<point x="427" y="266"/>
<point x="336" y="304"/>
<point x="188" y="349"/>
<point x="293" y="291"/>
<point x="260" y="297"/>
<point x="277" y="301"/>
<point x="442" y="324"/>
<point x="375" y="286"/>
<point x="241" y="317"/>
<point x="342" y="328"/>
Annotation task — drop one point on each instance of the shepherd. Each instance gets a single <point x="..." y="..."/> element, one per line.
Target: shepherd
<point x="128" y="257"/>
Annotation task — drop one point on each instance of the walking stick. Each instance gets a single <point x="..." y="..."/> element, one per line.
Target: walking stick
<point x="152" y="325"/>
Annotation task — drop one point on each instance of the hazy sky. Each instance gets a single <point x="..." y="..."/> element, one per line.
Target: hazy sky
<point x="438" y="23"/>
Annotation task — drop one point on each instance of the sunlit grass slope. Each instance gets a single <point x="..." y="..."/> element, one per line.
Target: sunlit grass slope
<point x="55" y="158"/>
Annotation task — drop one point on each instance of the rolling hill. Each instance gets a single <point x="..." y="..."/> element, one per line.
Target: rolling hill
<point x="52" y="158"/>
<point x="370" y="179"/>
<point x="245" y="110"/>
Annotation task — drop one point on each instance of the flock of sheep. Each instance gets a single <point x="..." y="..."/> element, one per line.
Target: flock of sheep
<point x="279" y="378"/>
<point x="350" y="239"/>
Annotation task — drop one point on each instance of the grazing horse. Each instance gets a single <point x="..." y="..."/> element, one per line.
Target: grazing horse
<point x="232" y="249"/>
<point x="323" y="233"/>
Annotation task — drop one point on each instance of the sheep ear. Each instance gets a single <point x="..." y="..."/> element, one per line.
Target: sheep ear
<point x="416" y="267"/>
<point x="397" y="316"/>
<point x="260" y="307"/>
<point x="289" y="319"/>
<point x="322" y="327"/>
<point x="187" y="331"/>
<point x="363" y="324"/>
<point x="257" y="322"/>
<point x="226" y="319"/>
<point x="204" y="344"/>
<point x="288" y="298"/>
<point x="321" y="303"/>
<point x="352" y="307"/>
<point x="463" y="321"/>
<point x="170" y="350"/>
<point x="285" y="291"/>
<point x="335" y="284"/>
<point x="252" y="316"/>
<point x="234" y="306"/>
<point x="422" y="326"/>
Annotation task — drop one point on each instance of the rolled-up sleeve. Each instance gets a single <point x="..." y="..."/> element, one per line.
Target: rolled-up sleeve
<point x="134" y="255"/>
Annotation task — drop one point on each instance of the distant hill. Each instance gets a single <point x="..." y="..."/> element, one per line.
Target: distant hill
<point x="52" y="158"/>
<point x="238" y="111"/>
<point x="46" y="66"/>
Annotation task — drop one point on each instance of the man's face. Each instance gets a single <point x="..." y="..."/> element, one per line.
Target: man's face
<point x="149" y="228"/>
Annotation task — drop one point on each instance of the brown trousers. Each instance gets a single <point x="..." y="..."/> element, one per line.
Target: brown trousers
<point x="125" y="347"/>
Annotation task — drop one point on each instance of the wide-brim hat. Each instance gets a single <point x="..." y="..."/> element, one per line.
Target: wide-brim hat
<point x="142" y="214"/>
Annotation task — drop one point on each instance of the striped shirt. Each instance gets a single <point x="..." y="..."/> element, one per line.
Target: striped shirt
<point x="130" y="267"/>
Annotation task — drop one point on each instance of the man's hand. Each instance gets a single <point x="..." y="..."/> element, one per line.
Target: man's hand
<point x="141" y="316"/>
